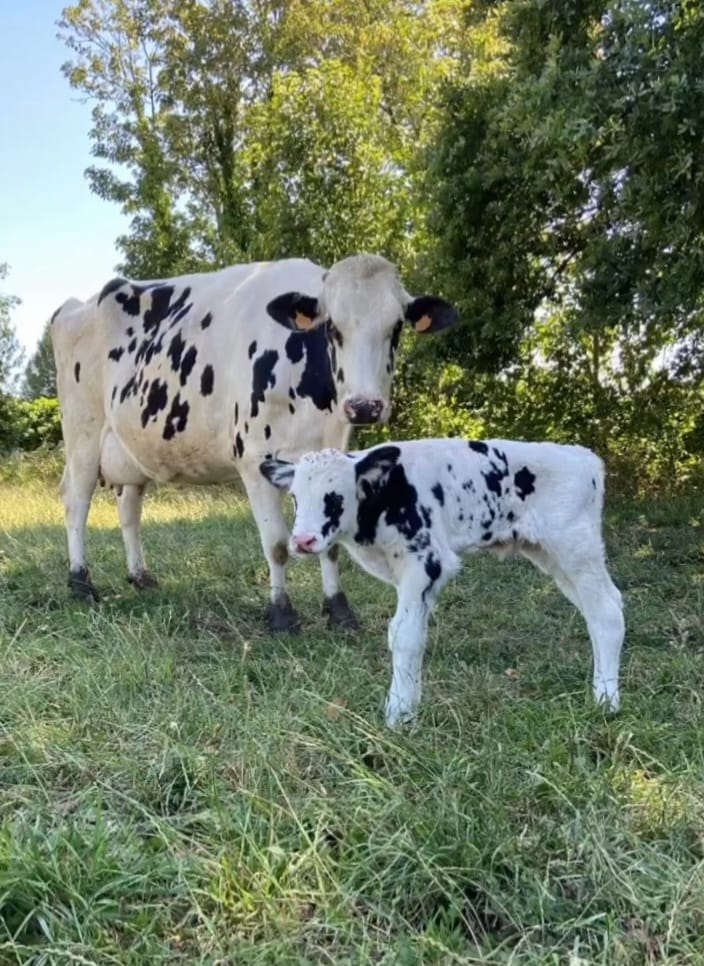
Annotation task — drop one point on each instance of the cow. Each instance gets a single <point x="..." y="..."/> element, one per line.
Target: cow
<point x="196" y="379"/>
<point x="406" y="511"/>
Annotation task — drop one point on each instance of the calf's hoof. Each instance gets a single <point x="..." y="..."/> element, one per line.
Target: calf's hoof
<point x="282" y="617"/>
<point x="143" y="580"/>
<point x="339" y="612"/>
<point x="81" y="585"/>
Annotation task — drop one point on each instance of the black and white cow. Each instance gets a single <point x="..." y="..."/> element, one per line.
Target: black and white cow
<point x="196" y="379"/>
<point x="405" y="511"/>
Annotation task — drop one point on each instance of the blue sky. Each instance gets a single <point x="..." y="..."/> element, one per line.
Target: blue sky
<point x="57" y="237"/>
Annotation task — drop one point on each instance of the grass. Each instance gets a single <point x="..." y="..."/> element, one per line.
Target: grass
<point x="177" y="786"/>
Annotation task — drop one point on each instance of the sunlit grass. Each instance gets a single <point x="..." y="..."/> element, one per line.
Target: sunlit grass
<point x="177" y="786"/>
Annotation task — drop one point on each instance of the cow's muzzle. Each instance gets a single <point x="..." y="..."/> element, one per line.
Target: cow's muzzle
<point x="363" y="410"/>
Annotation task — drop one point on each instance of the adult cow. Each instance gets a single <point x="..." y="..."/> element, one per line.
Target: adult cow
<point x="196" y="379"/>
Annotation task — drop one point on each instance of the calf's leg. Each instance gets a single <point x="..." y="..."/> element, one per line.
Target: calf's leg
<point x="335" y="605"/>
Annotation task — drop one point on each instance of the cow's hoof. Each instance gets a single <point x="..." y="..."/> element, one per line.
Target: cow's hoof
<point x="81" y="585"/>
<point x="142" y="581"/>
<point x="339" y="612"/>
<point x="282" y="617"/>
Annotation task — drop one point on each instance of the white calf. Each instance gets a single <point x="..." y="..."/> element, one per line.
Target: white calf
<point x="405" y="511"/>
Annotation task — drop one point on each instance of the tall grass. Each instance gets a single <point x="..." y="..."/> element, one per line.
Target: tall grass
<point x="176" y="785"/>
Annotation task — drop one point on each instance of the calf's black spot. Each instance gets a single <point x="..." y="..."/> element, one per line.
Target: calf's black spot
<point x="523" y="481"/>
<point x="77" y="375"/>
<point x="333" y="504"/>
<point x="439" y="494"/>
<point x="252" y="348"/>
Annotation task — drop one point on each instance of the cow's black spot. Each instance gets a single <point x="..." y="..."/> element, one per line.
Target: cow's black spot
<point x="316" y="382"/>
<point x="77" y="373"/>
<point x="127" y="388"/>
<point x="238" y="448"/>
<point x="116" y="354"/>
<point x="252" y="348"/>
<point x="129" y="330"/>
<point x="175" y="351"/>
<point x="159" y="309"/>
<point x="263" y="377"/>
<point x="187" y="363"/>
<point x="177" y="419"/>
<point x="237" y="413"/>
<point x="246" y="426"/>
<point x="206" y="320"/>
<point x="593" y="483"/>
<point x="156" y="400"/>
<point x="132" y="346"/>
<point x="130" y="303"/>
<point x="291" y="392"/>
<point x="510" y="516"/>
<point x="426" y="514"/>
<point x="478" y="446"/>
<point x="207" y="378"/>
<point x="267" y="432"/>
<point x="333" y="504"/>
<point x="340" y="374"/>
<point x="114" y="393"/>
<point x="112" y="286"/>
<point x="523" y="481"/>
<point x="291" y="409"/>
<point x="439" y="494"/>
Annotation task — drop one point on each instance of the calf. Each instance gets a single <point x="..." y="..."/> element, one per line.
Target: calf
<point x="405" y="511"/>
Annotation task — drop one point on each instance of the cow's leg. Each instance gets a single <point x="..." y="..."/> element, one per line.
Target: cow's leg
<point x="129" y="506"/>
<point x="266" y="502"/>
<point x="77" y="485"/>
<point x="584" y="580"/>
<point x="335" y="605"/>
<point x="408" y="629"/>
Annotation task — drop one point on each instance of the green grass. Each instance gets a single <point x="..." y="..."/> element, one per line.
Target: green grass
<point x="177" y="786"/>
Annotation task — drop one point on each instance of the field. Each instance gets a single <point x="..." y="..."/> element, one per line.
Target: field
<point x="178" y="786"/>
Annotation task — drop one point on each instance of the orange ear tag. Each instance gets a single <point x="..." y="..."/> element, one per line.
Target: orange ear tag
<point x="304" y="321"/>
<point x="423" y="323"/>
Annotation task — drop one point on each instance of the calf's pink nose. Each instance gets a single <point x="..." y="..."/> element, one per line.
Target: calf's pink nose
<point x="304" y="543"/>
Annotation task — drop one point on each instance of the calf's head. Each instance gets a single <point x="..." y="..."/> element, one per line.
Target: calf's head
<point x="323" y="488"/>
<point x="363" y="307"/>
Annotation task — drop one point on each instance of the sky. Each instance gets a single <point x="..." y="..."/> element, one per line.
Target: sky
<point x="55" y="234"/>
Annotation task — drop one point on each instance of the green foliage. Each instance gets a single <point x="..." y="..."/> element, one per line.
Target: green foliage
<point x="40" y="374"/>
<point x="11" y="352"/>
<point x="571" y="174"/>
<point x="29" y="424"/>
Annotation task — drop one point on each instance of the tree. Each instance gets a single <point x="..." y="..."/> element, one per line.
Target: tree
<point x="571" y="175"/>
<point x="40" y="374"/>
<point x="11" y="352"/>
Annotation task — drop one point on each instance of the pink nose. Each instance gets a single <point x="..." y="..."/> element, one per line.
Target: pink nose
<point x="304" y="543"/>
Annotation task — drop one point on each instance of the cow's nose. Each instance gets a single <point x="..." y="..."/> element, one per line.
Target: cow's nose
<point x="361" y="410"/>
<point x="304" y="543"/>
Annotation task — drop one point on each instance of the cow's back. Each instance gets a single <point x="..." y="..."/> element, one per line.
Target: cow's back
<point x="186" y="364"/>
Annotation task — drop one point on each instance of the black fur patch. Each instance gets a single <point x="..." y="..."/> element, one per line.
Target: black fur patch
<point x="238" y="448"/>
<point x="478" y="446"/>
<point x="383" y="488"/>
<point x="524" y="481"/>
<point x="156" y="400"/>
<point x="263" y="377"/>
<point x="116" y="354"/>
<point x="187" y="363"/>
<point x="177" y="419"/>
<point x="316" y="382"/>
<point x="206" y="320"/>
<point x="333" y="506"/>
<point x="77" y="374"/>
<point x="207" y="379"/>
<point x="439" y="494"/>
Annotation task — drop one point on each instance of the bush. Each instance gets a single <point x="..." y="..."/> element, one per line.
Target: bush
<point x="29" y="424"/>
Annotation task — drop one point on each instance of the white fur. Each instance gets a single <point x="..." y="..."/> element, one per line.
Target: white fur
<point x="557" y="526"/>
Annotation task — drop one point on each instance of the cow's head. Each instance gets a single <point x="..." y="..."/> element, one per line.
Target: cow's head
<point x="363" y="306"/>
<point x="323" y="488"/>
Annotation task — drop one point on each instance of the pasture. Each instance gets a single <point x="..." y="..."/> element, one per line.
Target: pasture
<point x="178" y="786"/>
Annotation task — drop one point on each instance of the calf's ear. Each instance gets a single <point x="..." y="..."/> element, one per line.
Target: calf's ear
<point x="278" y="472"/>
<point x="295" y="311"/>
<point x="429" y="314"/>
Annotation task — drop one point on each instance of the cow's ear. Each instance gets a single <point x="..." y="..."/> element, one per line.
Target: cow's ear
<point x="429" y="314"/>
<point x="278" y="472"/>
<point x="295" y="311"/>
